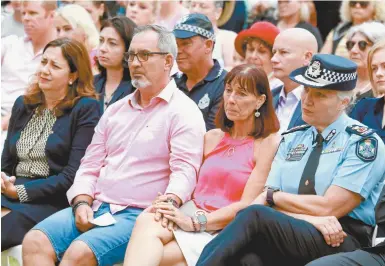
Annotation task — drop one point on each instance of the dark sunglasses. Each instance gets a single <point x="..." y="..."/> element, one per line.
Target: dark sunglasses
<point x="361" y="45"/>
<point x="363" y="4"/>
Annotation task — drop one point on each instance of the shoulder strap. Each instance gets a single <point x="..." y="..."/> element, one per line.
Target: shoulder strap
<point x="294" y="129"/>
<point x="359" y="130"/>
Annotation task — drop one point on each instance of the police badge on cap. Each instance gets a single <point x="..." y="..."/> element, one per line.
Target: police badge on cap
<point x="327" y="71"/>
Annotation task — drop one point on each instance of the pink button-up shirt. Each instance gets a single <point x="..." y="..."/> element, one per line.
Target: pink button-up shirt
<point x="137" y="152"/>
<point x="18" y="66"/>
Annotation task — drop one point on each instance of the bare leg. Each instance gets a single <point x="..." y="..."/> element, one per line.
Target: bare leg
<point x="78" y="254"/>
<point x="172" y="255"/>
<point x="147" y="241"/>
<point x="37" y="250"/>
<point x="4" y="211"/>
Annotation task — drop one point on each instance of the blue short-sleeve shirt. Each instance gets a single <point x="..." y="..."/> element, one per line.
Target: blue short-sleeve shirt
<point x="348" y="160"/>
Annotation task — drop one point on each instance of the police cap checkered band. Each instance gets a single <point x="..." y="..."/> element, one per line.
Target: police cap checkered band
<point x="196" y="30"/>
<point x="330" y="77"/>
<point x="327" y="71"/>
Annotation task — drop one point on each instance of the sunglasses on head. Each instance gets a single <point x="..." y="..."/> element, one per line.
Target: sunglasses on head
<point x="361" y="45"/>
<point x="363" y="4"/>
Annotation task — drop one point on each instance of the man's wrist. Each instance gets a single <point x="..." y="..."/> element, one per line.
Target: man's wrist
<point x="79" y="203"/>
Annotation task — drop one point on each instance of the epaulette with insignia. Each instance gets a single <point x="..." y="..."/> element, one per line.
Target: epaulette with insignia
<point x="359" y="130"/>
<point x="294" y="129"/>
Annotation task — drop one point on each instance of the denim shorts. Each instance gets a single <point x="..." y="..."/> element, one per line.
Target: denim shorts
<point x="108" y="243"/>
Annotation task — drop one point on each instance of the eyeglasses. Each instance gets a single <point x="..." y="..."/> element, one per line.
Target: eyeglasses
<point x="142" y="56"/>
<point x="363" y="4"/>
<point x="361" y="45"/>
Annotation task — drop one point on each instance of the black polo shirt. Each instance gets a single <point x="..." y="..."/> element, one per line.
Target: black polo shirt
<point x="207" y="93"/>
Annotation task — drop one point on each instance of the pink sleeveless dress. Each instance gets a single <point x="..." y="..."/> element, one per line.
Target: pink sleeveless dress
<point x="222" y="179"/>
<point x="224" y="173"/>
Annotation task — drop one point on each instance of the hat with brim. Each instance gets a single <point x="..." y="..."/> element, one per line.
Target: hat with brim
<point x="227" y="13"/>
<point x="327" y="71"/>
<point x="264" y="31"/>
<point x="192" y="25"/>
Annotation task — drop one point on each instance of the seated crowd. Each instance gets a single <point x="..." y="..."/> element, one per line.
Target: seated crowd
<point x="130" y="143"/>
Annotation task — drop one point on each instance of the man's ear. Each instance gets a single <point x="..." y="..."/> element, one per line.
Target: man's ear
<point x="169" y="62"/>
<point x="209" y="46"/>
<point x="308" y="56"/>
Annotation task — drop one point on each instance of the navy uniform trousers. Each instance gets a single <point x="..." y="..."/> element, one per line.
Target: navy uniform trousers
<point x="260" y="235"/>
<point x="355" y="258"/>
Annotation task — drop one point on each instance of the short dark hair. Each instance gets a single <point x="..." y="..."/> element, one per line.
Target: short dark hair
<point x="254" y="80"/>
<point x="125" y="28"/>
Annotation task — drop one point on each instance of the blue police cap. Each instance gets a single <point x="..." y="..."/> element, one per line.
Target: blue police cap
<point x="327" y="71"/>
<point x="194" y="24"/>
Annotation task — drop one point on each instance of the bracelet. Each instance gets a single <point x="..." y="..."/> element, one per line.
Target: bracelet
<point x="193" y="223"/>
<point x="173" y="202"/>
<point x="78" y="204"/>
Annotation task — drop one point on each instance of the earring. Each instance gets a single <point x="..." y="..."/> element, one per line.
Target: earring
<point x="70" y="82"/>
<point x="257" y="113"/>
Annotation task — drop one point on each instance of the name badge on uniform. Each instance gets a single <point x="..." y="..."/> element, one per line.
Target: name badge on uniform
<point x="296" y="153"/>
<point x="332" y="149"/>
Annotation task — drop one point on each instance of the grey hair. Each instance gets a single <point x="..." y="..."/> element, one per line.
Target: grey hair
<point x="373" y="31"/>
<point x="166" y="40"/>
<point x="219" y="4"/>
<point x="350" y="95"/>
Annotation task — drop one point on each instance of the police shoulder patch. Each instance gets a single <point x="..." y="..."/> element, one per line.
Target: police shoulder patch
<point x="294" y="129"/>
<point x="366" y="149"/>
<point x="359" y="130"/>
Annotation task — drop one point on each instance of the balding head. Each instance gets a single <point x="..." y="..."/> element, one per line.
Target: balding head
<point x="293" y="48"/>
<point x="300" y="39"/>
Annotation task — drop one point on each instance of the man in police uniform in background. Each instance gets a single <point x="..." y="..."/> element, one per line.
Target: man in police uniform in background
<point x="324" y="182"/>
<point x="202" y="78"/>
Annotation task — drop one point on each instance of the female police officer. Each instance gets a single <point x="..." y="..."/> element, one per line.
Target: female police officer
<point x="330" y="169"/>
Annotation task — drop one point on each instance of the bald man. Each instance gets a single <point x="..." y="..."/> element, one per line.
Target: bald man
<point x="292" y="49"/>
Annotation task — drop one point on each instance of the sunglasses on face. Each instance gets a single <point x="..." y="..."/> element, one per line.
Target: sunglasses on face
<point x="363" y="4"/>
<point x="361" y="45"/>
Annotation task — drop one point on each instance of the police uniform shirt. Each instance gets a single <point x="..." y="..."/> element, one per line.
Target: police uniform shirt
<point x="370" y="112"/>
<point x="207" y="94"/>
<point x="352" y="158"/>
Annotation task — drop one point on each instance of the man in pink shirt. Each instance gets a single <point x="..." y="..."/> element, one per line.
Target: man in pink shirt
<point x="149" y="142"/>
<point x="20" y="56"/>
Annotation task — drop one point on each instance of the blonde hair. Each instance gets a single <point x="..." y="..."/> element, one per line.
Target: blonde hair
<point x="378" y="46"/>
<point x="304" y="12"/>
<point x="77" y="16"/>
<point x="379" y="11"/>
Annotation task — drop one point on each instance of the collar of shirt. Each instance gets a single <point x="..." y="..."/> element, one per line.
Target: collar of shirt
<point x="379" y="106"/>
<point x="214" y="73"/>
<point x="28" y="43"/>
<point x="165" y="95"/>
<point x="294" y="94"/>
<point x="331" y="131"/>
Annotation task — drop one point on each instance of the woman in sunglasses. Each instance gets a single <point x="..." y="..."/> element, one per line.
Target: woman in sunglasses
<point x="359" y="40"/>
<point x="352" y="13"/>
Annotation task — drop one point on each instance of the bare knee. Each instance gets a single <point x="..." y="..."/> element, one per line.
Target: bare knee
<point x="36" y="242"/>
<point x="79" y="253"/>
<point x="146" y="225"/>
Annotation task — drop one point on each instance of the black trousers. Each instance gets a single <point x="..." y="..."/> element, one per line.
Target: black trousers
<point x="260" y="235"/>
<point x="14" y="226"/>
<point x="354" y="258"/>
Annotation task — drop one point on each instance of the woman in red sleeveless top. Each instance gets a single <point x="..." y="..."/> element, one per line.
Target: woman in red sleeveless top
<point x="237" y="159"/>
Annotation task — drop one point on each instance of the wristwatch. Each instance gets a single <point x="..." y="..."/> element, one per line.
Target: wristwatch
<point x="202" y="220"/>
<point x="269" y="195"/>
